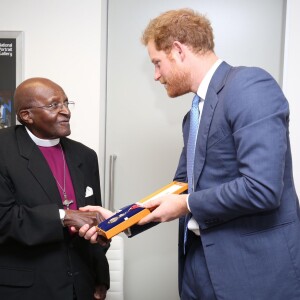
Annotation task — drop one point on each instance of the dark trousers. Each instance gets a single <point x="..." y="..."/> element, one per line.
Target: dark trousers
<point x="196" y="284"/>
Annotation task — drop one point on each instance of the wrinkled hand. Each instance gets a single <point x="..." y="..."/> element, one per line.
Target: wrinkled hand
<point x="100" y="292"/>
<point x="77" y="218"/>
<point x="105" y="213"/>
<point x="165" y="208"/>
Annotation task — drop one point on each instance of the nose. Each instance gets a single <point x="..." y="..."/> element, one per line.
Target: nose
<point x="64" y="109"/>
<point x="156" y="75"/>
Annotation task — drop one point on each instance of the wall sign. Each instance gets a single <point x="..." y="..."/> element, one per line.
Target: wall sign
<point x="11" y="54"/>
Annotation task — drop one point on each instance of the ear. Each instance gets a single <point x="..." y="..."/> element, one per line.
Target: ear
<point x="179" y="50"/>
<point x="25" y="116"/>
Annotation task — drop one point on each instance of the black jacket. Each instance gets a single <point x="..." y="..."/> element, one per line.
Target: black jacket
<point x="39" y="259"/>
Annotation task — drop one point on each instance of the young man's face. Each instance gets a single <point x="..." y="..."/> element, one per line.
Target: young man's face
<point x="168" y="71"/>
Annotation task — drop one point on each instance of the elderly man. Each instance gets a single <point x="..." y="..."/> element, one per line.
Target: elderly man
<point x="44" y="178"/>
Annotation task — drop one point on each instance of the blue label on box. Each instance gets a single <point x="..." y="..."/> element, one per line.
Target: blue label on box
<point x="121" y="216"/>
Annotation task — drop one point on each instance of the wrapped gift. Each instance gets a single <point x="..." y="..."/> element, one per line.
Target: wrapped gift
<point x="131" y="214"/>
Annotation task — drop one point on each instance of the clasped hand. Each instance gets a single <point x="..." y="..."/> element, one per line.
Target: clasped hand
<point x="85" y="220"/>
<point x="77" y="218"/>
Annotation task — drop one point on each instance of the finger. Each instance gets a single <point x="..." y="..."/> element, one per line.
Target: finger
<point x="91" y="234"/>
<point x="149" y="218"/>
<point x="151" y="203"/>
<point x="97" y="295"/>
<point x="73" y="229"/>
<point x="94" y="238"/>
<point x="106" y="213"/>
<point x="83" y="230"/>
<point x="88" y="208"/>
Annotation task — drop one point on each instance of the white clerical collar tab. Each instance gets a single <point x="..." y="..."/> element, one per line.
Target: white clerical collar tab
<point x="41" y="142"/>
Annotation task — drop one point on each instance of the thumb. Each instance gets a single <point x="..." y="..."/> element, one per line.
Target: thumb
<point x="85" y="208"/>
<point x="153" y="203"/>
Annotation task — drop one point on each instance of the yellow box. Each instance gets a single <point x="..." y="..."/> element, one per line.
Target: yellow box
<point x="131" y="214"/>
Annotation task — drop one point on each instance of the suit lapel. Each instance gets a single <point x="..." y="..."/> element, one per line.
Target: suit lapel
<point x="210" y="103"/>
<point x="74" y="163"/>
<point x="37" y="165"/>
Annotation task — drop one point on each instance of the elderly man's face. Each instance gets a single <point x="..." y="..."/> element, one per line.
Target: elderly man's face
<point x="49" y="122"/>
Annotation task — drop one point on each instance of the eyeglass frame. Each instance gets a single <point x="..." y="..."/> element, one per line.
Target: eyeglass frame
<point x="55" y="106"/>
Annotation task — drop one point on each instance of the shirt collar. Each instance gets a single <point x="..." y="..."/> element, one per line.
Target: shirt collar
<point x="42" y="142"/>
<point x="203" y="87"/>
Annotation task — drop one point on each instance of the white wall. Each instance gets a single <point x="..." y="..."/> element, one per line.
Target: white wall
<point x="291" y="81"/>
<point x="62" y="43"/>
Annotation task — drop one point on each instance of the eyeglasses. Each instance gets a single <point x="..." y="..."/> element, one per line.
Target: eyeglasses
<point x="57" y="106"/>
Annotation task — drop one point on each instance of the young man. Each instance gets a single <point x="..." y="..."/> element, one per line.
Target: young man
<point x="239" y="222"/>
<point x="44" y="178"/>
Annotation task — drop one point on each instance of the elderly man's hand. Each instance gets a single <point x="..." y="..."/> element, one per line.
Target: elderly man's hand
<point x="78" y="218"/>
<point x="91" y="234"/>
<point x="100" y="292"/>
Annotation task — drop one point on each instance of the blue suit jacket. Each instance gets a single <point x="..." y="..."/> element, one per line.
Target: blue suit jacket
<point x="245" y="201"/>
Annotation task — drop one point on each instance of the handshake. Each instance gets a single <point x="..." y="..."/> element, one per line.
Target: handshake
<point x="164" y="205"/>
<point x="85" y="220"/>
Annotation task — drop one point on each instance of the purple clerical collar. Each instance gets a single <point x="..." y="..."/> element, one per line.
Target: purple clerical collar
<point x="42" y="142"/>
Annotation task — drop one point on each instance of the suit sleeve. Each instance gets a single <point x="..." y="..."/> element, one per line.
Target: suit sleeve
<point x="27" y="225"/>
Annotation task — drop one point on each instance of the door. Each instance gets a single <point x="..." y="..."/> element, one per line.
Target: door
<point x="143" y="125"/>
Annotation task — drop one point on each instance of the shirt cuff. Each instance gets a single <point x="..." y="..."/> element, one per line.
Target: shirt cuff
<point x="62" y="215"/>
<point x="187" y="202"/>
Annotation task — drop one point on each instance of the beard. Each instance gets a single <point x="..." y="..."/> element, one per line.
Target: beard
<point x="177" y="83"/>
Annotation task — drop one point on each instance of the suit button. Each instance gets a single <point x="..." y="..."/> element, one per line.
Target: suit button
<point x="70" y="274"/>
